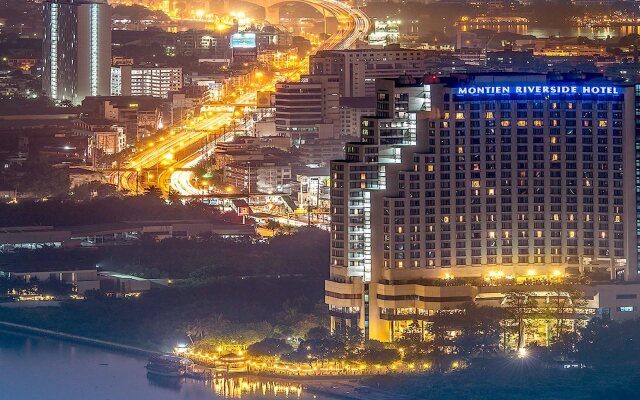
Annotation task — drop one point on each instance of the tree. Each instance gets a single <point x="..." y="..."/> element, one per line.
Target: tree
<point x="318" y="333"/>
<point x="272" y="225"/>
<point x="480" y="330"/>
<point x="153" y="192"/>
<point x="520" y="305"/>
<point x="173" y="197"/>
<point x="352" y="339"/>
<point x="269" y="347"/>
<point x="380" y="356"/>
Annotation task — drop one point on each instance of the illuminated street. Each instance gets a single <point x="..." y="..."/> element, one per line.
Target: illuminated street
<point x="160" y="155"/>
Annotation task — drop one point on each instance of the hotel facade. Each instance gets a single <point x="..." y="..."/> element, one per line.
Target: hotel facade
<point x="462" y="188"/>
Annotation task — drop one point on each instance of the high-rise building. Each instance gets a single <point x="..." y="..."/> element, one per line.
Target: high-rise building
<point x="308" y="109"/>
<point x="154" y="81"/>
<point x="510" y="178"/>
<point x="76" y="49"/>
<point x="358" y="69"/>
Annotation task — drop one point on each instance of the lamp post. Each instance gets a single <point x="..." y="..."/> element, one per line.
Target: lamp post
<point x="138" y="180"/>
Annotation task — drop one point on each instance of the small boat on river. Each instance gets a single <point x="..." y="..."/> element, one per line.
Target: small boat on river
<point x="168" y="366"/>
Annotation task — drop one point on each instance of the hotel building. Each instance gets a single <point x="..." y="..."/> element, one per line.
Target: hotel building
<point x="501" y="178"/>
<point x="76" y="49"/>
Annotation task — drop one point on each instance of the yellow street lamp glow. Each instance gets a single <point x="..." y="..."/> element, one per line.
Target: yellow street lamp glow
<point x="199" y="13"/>
<point x="168" y="156"/>
<point x="556" y="273"/>
<point x="531" y="272"/>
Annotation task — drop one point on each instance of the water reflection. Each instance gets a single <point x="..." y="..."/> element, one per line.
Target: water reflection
<point x="72" y="371"/>
<point x="237" y="388"/>
<point x="541" y="32"/>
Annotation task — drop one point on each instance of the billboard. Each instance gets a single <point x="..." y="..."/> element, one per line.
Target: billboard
<point x="243" y="40"/>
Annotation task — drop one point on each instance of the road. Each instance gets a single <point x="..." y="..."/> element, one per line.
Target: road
<point x="160" y="154"/>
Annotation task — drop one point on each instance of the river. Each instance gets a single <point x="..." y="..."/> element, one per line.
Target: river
<point x="40" y="368"/>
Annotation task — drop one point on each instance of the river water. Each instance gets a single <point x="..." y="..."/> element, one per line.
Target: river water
<point x="39" y="368"/>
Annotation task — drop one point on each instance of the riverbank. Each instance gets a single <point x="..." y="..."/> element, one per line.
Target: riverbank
<point x="77" y="339"/>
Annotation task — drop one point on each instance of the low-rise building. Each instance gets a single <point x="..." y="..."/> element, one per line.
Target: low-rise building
<point x="83" y="279"/>
<point x="105" y="137"/>
<point x="259" y="176"/>
<point x="314" y="188"/>
<point x="321" y="152"/>
<point x="140" y="115"/>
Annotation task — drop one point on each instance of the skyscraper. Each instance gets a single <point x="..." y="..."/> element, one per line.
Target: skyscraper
<point x="490" y="177"/>
<point x="76" y="49"/>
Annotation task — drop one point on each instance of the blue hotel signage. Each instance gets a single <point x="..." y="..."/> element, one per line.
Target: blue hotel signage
<point x="524" y="90"/>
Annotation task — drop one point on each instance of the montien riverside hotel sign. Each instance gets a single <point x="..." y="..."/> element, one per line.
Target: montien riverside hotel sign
<point x="525" y="90"/>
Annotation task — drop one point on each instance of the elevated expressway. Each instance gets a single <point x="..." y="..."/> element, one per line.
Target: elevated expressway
<point x="353" y="24"/>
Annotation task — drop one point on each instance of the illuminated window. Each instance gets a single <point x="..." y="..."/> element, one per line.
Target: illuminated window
<point x="489" y="114"/>
<point x="460" y="149"/>
<point x="505" y="123"/>
<point x="459" y="115"/>
<point x="603" y="235"/>
<point x="475" y="184"/>
<point x="399" y="229"/>
<point x="430" y="168"/>
<point x="554" y="157"/>
<point x="572" y="234"/>
<point x="506" y="234"/>
<point x="492" y="235"/>
<point x="445" y="219"/>
<point x="475" y="167"/>
<point x="522" y="123"/>
<point x="400" y="264"/>
<point x="617" y="219"/>
<point x="461" y="218"/>
<point x="491" y="192"/>
<point x="538" y="123"/>
<point x="416" y="264"/>
<point x="570" y="106"/>
<point x="587" y="183"/>
<point x="556" y="217"/>
<point x="363" y="176"/>
<point x="554" y="106"/>
<point x="571" y="217"/>
<point x="447" y="115"/>
<point x="602" y="124"/>
<point x="554" y="140"/>
<point x="445" y="124"/>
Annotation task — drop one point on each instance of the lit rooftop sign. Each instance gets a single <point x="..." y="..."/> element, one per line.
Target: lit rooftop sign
<point x="524" y="90"/>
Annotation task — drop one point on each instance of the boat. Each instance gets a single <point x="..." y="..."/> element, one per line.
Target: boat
<point x="168" y="366"/>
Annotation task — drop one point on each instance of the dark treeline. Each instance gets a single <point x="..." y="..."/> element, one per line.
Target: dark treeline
<point x="245" y="310"/>
<point x="100" y="210"/>
<point x="306" y="252"/>
<point x="603" y="357"/>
